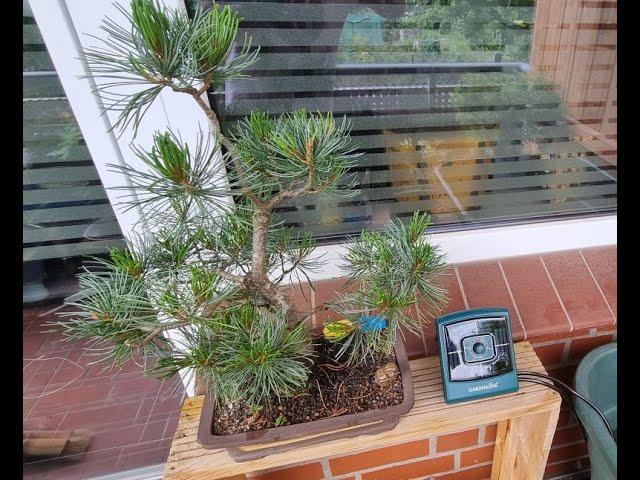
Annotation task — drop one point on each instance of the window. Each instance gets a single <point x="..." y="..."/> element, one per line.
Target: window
<point x="477" y="111"/>
<point x="66" y="213"/>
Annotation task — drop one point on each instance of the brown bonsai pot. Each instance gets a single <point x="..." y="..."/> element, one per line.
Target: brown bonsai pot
<point x="260" y="443"/>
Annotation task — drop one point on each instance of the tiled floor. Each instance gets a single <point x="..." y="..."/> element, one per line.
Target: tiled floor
<point x="132" y="418"/>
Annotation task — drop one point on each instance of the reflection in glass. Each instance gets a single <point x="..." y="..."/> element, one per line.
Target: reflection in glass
<point x="476" y="111"/>
<point x="66" y="213"/>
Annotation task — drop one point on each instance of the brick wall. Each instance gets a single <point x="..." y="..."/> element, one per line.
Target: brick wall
<point x="564" y="303"/>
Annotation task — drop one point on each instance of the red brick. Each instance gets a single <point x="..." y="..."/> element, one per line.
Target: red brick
<point x="567" y="435"/>
<point x="581" y="346"/>
<point x="490" y="432"/>
<point x="566" y="417"/>
<point x="310" y="471"/>
<point x="579" y="293"/>
<point x="411" y="470"/>
<point x="566" y="468"/>
<point x="478" y="473"/>
<point x="568" y="452"/>
<point x="454" y="441"/>
<point x="564" y="373"/>
<point x="484" y="285"/>
<point x="378" y="457"/>
<point x="540" y="336"/>
<point x="477" y="455"/>
<point x="534" y="295"/>
<point x="550" y="354"/>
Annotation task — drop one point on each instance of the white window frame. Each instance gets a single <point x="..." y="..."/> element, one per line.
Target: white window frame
<point x="64" y="23"/>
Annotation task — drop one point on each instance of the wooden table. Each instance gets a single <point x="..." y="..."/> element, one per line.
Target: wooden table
<point x="526" y="424"/>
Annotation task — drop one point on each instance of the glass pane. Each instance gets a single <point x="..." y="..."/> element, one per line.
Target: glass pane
<point x="477" y="111"/>
<point x="79" y="421"/>
<point x="66" y="214"/>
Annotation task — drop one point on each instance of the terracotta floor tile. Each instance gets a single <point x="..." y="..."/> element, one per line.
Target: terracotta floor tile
<point x="143" y="459"/>
<point x="300" y="294"/>
<point x="484" y="286"/>
<point x="46" y="422"/>
<point x="534" y="296"/>
<point x="75" y="396"/>
<point x="579" y="293"/>
<point x="326" y="291"/>
<point x="429" y="336"/>
<point x="414" y="345"/>
<point x="456" y="300"/>
<point x="125" y="389"/>
<point x="101" y="415"/>
<point x="114" y="420"/>
<point x="129" y="435"/>
<point x="153" y="430"/>
<point x="603" y="262"/>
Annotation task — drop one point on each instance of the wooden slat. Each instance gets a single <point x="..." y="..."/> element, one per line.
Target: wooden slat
<point x="430" y="416"/>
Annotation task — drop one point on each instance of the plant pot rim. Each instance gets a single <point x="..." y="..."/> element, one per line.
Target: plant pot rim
<point x="208" y="440"/>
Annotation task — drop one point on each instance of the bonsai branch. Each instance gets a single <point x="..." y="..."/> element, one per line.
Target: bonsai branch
<point x="217" y="131"/>
<point x="162" y="328"/>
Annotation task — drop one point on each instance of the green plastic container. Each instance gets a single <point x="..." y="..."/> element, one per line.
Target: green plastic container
<point x="597" y="379"/>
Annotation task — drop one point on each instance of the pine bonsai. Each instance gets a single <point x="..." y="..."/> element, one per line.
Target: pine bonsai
<point x="210" y="269"/>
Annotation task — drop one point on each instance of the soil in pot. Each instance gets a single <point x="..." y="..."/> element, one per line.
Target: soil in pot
<point x="333" y="390"/>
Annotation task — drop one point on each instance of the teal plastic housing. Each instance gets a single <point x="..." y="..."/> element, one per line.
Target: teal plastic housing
<point x="492" y="381"/>
<point x="597" y="379"/>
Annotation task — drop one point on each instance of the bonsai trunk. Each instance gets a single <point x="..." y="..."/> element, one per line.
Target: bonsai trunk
<point x="259" y="276"/>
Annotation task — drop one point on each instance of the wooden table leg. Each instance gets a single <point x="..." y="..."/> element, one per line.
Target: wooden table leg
<point x="523" y="444"/>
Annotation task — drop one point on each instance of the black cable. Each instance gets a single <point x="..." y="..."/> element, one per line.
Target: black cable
<point x="562" y="393"/>
<point x="524" y="376"/>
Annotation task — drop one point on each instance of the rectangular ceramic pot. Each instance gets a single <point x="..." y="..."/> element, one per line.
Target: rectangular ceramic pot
<point x="257" y="444"/>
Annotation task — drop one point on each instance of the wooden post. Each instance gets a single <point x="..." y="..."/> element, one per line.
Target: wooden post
<point x="523" y="444"/>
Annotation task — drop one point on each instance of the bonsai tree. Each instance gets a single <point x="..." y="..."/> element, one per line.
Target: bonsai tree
<point x="210" y="270"/>
<point x="390" y="285"/>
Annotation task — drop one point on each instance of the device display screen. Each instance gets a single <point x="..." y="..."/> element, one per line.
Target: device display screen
<point x="478" y="349"/>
